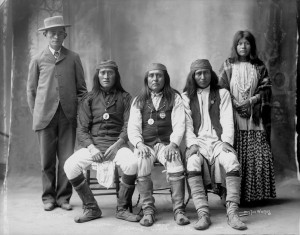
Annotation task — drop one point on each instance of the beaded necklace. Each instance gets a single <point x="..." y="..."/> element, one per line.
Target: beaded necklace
<point x="243" y="79"/>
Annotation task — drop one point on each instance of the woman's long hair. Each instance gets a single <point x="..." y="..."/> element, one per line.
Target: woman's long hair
<point x="191" y="86"/>
<point x="250" y="38"/>
<point x="97" y="88"/>
<point x="168" y="92"/>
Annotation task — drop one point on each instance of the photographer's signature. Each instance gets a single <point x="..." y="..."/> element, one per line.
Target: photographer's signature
<point x="255" y="212"/>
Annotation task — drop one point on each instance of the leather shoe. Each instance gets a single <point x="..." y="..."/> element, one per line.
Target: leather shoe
<point x="66" y="206"/>
<point x="49" y="206"/>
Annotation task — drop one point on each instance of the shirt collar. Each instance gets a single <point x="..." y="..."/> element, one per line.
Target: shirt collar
<point x="160" y="94"/>
<point x="205" y="90"/>
<point x="110" y="92"/>
<point x="52" y="50"/>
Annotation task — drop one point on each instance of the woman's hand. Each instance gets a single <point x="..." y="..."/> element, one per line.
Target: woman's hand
<point x="244" y="108"/>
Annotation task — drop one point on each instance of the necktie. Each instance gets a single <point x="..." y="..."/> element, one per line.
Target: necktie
<point x="56" y="54"/>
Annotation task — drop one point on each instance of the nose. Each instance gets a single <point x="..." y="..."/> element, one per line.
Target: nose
<point x="155" y="77"/>
<point x="105" y="75"/>
<point x="55" y="35"/>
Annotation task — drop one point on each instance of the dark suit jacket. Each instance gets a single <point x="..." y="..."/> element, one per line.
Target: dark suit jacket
<point x="51" y="82"/>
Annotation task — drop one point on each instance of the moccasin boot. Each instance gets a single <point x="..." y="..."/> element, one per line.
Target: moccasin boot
<point x="203" y="221"/>
<point x="178" y="189"/>
<point x="124" y="214"/>
<point x="148" y="220"/>
<point x="233" y="185"/>
<point x="91" y="209"/>
<point x="124" y="201"/>
<point x="145" y="187"/>
<point x="181" y="218"/>
<point x="233" y="218"/>
<point x="89" y="213"/>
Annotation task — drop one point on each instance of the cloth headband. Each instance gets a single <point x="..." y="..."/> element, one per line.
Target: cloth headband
<point x="200" y="64"/>
<point x="107" y="64"/>
<point x="156" y="66"/>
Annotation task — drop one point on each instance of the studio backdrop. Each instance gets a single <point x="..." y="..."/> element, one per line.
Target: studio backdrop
<point x="135" y="33"/>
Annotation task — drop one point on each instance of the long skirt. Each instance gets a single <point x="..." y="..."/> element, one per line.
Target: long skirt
<point x="257" y="168"/>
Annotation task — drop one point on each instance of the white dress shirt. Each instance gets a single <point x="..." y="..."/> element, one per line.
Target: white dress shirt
<point x="53" y="51"/>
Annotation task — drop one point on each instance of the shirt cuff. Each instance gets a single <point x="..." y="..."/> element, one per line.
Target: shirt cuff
<point x="136" y="141"/>
<point x="227" y="139"/>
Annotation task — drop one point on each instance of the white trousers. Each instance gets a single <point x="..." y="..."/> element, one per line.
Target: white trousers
<point x="228" y="161"/>
<point x="82" y="159"/>
<point x="157" y="154"/>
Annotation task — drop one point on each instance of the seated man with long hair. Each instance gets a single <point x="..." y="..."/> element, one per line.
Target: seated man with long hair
<point x="102" y="132"/>
<point x="209" y="137"/>
<point x="156" y="127"/>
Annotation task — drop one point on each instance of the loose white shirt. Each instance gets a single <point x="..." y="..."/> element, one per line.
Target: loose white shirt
<point x="134" y="128"/>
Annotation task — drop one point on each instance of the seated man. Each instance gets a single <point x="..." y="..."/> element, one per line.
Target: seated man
<point x="156" y="127"/>
<point x="102" y="131"/>
<point x="209" y="135"/>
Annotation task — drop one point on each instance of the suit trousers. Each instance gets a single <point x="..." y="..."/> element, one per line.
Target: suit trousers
<point x="56" y="144"/>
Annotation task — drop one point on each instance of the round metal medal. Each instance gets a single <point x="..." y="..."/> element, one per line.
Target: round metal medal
<point x="162" y="114"/>
<point x="150" y="121"/>
<point x="105" y="116"/>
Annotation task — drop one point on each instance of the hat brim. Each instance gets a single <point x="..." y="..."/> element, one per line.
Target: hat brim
<point x="54" y="26"/>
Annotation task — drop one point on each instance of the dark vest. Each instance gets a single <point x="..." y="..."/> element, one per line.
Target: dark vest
<point x="214" y="112"/>
<point x="106" y="132"/>
<point x="161" y="129"/>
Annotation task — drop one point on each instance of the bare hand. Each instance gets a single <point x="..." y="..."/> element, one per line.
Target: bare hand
<point x="111" y="152"/>
<point x="244" y="109"/>
<point x="243" y="106"/>
<point x="98" y="157"/>
<point x="143" y="150"/>
<point x="228" y="148"/>
<point x="171" y="152"/>
<point x="194" y="149"/>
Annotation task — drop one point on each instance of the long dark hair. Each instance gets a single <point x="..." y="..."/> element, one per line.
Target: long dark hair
<point x="250" y="38"/>
<point x="168" y="92"/>
<point x="97" y="88"/>
<point x="191" y="86"/>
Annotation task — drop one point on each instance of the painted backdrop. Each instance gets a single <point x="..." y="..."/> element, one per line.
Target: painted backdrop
<point x="136" y="33"/>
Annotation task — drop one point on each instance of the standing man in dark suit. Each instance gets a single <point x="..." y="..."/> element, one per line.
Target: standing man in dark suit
<point x="55" y="83"/>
